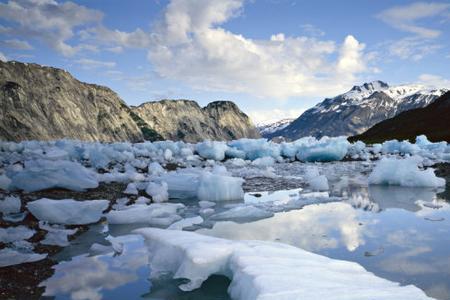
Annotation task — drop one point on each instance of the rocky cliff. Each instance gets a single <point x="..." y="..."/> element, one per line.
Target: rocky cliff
<point x="186" y="120"/>
<point x="46" y="103"/>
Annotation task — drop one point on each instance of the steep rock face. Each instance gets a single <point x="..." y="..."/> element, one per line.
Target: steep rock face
<point x="186" y="120"/>
<point x="359" y="109"/>
<point x="432" y="120"/>
<point x="46" y="103"/>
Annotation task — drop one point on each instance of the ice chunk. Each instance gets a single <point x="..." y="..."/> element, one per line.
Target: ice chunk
<point x="212" y="150"/>
<point x="263" y="162"/>
<point x="158" y="191"/>
<point x="4" y="182"/>
<point x="131" y="189"/>
<point x="56" y="235"/>
<point x="10" y="257"/>
<point x="265" y="270"/>
<point x="182" y="184"/>
<point x="179" y="225"/>
<point x="155" y="168"/>
<point x="326" y="149"/>
<point x="13" y="234"/>
<point x="10" y="204"/>
<point x="206" y="204"/>
<point x="68" y="211"/>
<point x="242" y="213"/>
<point x="255" y="148"/>
<point x="144" y="214"/>
<point x="142" y="200"/>
<point x="44" y="174"/>
<point x="404" y="172"/>
<point x="315" y="180"/>
<point x="220" y="188"/>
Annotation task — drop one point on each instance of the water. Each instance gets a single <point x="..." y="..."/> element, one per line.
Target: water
<point x="402" y="234"/>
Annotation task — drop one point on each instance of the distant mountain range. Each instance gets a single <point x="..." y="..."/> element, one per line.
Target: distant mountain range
<point x="46" y="103"/>
<point x="432" y="120"/>
<point x="357" y="110"/>
<point x="267" y="129"/>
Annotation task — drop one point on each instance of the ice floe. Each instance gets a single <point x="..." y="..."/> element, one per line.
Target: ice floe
<point x="68" y="211"/>
<point x="265" y="270"/>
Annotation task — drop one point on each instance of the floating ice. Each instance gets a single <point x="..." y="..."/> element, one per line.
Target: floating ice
<point x="4" y="182"/>
<point x="68" y="211"/>
<point x="158" y="191"/>
<point x="155" y="168"/>
<point x="326" y="149"/>
<point x="212" y="150"/>
<point x="315" y="180"/>
<point x="242" y="213"/>
<point x="220" y="188"/>
<point x="10" y="204"/>
<point x="404" y="172"/>
<point x="56" y="235"/>
<point x="264" y="162"/>
<point x="11" y="257"/>
<point x="179" y="225"/>
<point x="156" y="213"/>
<point x="131" y="189"/>
<point x="45" y="174"/>
<point x="13" y="234"/>
<point x="253" y="149"/>
<point x="265" y="270"/>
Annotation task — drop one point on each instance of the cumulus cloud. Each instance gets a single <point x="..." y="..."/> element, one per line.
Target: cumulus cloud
<point x="47" y="21"/>
<point x="189" y="44"/>
<point x="405" y="17"/>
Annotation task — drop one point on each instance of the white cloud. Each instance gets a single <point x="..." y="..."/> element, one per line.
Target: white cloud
<point x="414" y="48"/>
<point x="93" y="64"/>
<point x="47" y="21"/>
<point x="189" y="45"/>
<point x="3" y="57"/>
<point x="405" y="17"/>
<point x="434" y="80"/>
<point x="274" y="115"/>
<point x="17" y="44"/>
<point x="312" y="30"/>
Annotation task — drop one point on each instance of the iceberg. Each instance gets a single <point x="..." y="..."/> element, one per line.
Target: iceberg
<point x="243" y="213"/>
<point x="265" y="270"/>
<point x="404" y="172"/>
<point x="10" y="204"/>
<point x="45" y="174"/>
<point x="68" y="211"/>
<point x="11" y="257"/>
<point x="220" y="188"/>
<point x="324" y="150"/>
<point x="315" y="180"/>
<point x="212" y="150"/>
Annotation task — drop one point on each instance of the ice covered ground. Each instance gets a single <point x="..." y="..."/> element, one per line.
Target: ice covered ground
<point x="177" y="185"/>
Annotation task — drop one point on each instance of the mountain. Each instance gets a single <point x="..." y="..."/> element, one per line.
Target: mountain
<point x="432" y="120"/>
<point x="269" y="128"/>
<point x="359" y="109"/>
<point x="186" y="120"/>
<point x="46" y="103"/>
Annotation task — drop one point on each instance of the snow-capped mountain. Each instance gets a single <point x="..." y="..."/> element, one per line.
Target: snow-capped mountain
<point x="359" y="109"/>
<point x="269" y="128"/>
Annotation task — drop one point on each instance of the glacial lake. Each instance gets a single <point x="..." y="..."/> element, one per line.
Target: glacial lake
<point x="401" y="234"/>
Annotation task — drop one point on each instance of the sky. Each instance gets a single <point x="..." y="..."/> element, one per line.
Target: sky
<point x="274" y="58"/>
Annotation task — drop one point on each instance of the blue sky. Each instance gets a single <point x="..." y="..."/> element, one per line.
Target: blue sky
<point x="274" y="58"/>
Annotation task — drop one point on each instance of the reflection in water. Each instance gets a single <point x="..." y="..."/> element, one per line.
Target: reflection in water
<point x="388" y="230"/>
<point x="390" y="223"/>
<point x="85" y="277"/>
<point x="312" y="228"/>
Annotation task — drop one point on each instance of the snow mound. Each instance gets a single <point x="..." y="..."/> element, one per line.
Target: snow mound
<point x="68" y="211"/>
<point x="265" y="270"/>
<point x="404" y="172"/>
<point x="45" y="174"/>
